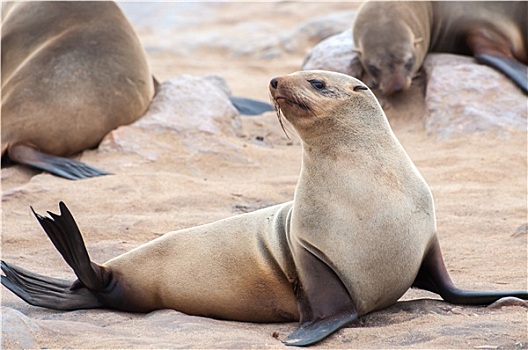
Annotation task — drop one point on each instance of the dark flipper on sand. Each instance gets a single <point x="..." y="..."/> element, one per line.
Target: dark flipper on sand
<point x="45" y="291"/>
<point x="312" y="332"/>
<point x="323" y="301"/>
<point x="433" y="276"/>
<point x="249" y="106"/>
<point x="63" y="167"/>
<point x="510" y="67"/>
<point x="56" y="293"/>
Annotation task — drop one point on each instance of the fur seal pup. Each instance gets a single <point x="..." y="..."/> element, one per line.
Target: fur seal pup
<point x="392" y="38"/>
<point x="71" y="72"/>
<point x="359" y="233"/>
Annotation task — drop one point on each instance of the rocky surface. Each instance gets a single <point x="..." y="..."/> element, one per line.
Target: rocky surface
<point x="333" y="53"/>
<point x="464" y="97"/>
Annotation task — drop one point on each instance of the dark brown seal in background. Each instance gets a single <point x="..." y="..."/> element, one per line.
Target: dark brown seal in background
<point x="393" y="38"/>
<point x="71" y="72"/>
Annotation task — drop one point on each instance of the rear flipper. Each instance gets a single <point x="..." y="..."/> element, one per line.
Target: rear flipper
<point x="510" y="67"/>
<point x="45" y="291"/>
<point x="433" y="276"/>
<point x="249" y="106"/>
<point x="63" y="167"/>
<point x="55" y="293"/>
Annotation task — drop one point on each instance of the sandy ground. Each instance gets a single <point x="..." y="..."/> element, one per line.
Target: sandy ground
<point x="479" y="185"/>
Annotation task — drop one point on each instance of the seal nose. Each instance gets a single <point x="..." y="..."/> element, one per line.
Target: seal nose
<point x="397" y="89"/>
<point x="274" y="83"/>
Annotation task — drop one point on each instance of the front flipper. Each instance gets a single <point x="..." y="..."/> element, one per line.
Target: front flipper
<point x="324" y="303"/>
<point x="248" y="106"/>
<point x="63" y="167"/>
<point x="312" y="332"/>
<point x="510" y="67"/>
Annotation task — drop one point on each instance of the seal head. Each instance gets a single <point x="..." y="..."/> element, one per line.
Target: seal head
<point x="392" y="38"/>
<point x="310" y="101"/>
<point x="391" y="49"/>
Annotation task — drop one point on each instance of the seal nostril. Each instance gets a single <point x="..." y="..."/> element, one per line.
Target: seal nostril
<point x="274" y="83"/>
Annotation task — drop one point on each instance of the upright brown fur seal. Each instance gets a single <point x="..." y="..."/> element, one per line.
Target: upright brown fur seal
<point x="392" y="38"/>
<point x="358" y="234"/>
<point x="71" y="72"/>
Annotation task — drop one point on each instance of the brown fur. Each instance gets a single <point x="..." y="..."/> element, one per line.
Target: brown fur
<point x="71" y="72"/>
<point x="393" y="38"/>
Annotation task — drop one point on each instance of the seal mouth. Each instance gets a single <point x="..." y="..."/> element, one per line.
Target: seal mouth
<point x="294" y="101"/>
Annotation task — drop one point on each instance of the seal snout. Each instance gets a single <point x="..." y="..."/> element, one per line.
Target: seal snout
<point x="273" y="85"/>
<point x="274" y="88"/>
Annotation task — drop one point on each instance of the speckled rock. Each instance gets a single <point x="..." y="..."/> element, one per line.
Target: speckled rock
<point x="18" y="330"/>
<point x="463" y="96"/>
<point x="333" y="54"/>
<point x="189" y="104"/>
<point x="188" y="114"/>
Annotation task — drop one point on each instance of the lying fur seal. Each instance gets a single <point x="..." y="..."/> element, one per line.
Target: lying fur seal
<point x="71" y="72"/>
<point x="359" y="233"/>
<point x="392" y="38"/>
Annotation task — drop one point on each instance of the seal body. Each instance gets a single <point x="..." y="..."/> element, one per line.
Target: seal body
<point x="393" y="38"/>
<point x="239" y="268"/>
<point x="71" y="72"/>
<point x="359" y="233"/>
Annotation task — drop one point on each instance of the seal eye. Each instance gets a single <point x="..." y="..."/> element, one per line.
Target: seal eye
<point x="409" y="64"/>
<point x="373" y="70"/>
<point x="360" y="87"/>
<point x="317" y="84"/>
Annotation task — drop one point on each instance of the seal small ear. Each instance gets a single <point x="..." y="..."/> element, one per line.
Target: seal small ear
<point x="360" y="87"/>
<point x="418" y="40"/>
<point x="355" y="68"/>
<point x="357" y="50"/>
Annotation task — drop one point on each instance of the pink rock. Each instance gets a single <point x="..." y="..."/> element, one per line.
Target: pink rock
<point x="333" y="54"/>
<point x="463" y="96"/>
